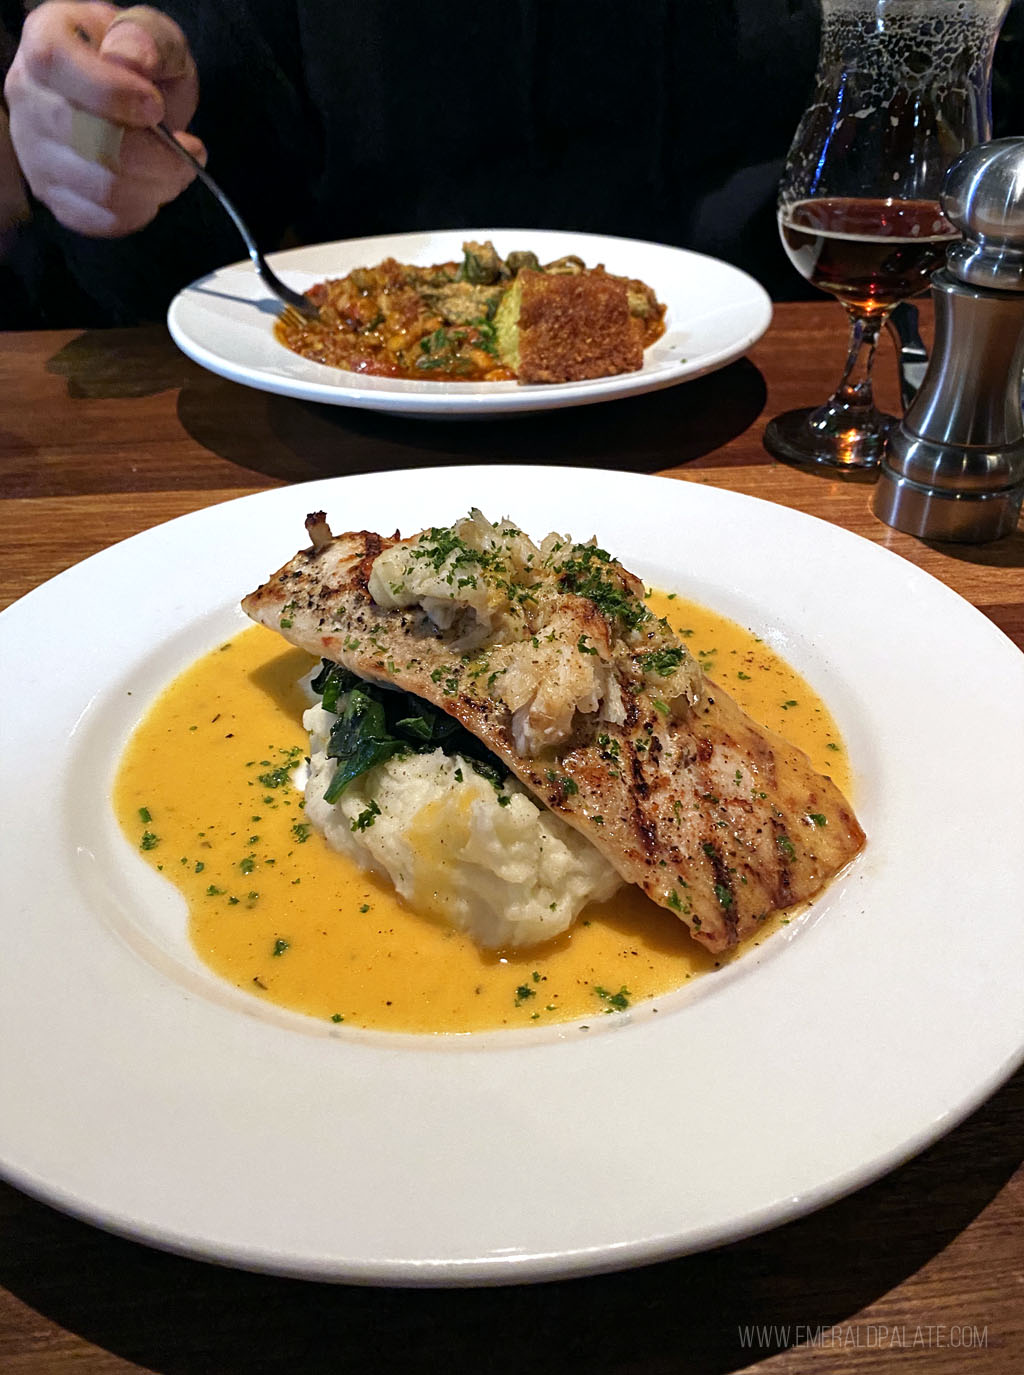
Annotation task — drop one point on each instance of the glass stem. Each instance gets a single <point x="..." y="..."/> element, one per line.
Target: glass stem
<point x="854" y="391"/>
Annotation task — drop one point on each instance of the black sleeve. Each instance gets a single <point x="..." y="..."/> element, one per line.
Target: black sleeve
<point x="1008" y="76"/>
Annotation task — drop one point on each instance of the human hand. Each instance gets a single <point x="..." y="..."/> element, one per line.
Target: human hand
<point x="86" y="85"/>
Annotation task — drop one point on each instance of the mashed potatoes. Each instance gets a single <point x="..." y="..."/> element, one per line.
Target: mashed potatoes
<point x="493" y="864"/>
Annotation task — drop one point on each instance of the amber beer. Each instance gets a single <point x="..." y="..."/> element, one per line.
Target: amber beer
<point x="869" y="252"/>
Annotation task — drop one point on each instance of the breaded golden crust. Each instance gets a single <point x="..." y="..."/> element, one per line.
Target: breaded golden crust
<point x="575" y="327"/>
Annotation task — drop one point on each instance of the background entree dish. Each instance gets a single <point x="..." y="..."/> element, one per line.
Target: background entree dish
<point x="486" y="319"/>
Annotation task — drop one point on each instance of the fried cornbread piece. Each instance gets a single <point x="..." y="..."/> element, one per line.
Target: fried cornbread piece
<point x="575" y="327"/>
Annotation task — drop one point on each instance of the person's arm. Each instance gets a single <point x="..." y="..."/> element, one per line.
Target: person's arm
<point x="86" y="84"/>
<point x="13" y="201"/>
<point x="264" y="146"/>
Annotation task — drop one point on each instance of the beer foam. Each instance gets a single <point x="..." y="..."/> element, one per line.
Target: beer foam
<point x="900" y="90"/>
<point x="910" y="47"/>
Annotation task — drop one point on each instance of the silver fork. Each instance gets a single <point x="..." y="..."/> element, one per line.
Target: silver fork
<point x="297" y="307"/>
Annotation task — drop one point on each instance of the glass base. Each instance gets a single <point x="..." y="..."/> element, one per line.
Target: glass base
<point x="824" y="435"/>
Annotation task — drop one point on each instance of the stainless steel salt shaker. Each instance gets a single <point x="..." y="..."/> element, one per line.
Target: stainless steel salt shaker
<point x="954" y="467"/>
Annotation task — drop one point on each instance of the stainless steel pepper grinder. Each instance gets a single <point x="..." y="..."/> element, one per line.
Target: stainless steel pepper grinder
<point x="954" y="467"/>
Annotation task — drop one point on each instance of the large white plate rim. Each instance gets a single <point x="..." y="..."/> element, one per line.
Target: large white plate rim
<point x="649" y="1149"/>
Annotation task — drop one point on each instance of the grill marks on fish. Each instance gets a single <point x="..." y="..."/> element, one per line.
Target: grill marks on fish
<point x="717" y="819"/>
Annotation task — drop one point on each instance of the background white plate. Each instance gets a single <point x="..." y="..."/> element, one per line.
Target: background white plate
<point x="225" y="322"/>
<point x="142" y="1094"/>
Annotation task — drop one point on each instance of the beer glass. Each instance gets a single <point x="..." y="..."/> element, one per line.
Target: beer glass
<point x="902" y="88"/>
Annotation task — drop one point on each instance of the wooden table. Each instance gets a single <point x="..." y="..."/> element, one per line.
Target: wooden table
<point x="103" y="434"/>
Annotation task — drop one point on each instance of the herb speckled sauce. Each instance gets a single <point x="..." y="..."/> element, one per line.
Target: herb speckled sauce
<point x="204" y="792"/>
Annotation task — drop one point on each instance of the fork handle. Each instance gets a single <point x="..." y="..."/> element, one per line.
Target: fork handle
<point x="293" y="300"/>
<point x="164" y="134"/>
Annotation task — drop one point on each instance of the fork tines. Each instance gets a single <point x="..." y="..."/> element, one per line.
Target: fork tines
<point x="293" y="318"/>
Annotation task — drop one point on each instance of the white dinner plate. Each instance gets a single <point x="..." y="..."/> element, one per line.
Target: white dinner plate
<point x="141" y="1093"/>
<point x="226" y="322"/>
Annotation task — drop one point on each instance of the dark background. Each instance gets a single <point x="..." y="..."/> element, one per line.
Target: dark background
<point x="326" y="119"/>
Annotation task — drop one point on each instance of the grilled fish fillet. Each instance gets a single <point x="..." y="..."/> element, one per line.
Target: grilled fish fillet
<point x="550" y="656"/>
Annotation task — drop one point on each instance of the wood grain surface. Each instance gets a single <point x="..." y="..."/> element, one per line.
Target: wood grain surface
<point x="106" y="433"/>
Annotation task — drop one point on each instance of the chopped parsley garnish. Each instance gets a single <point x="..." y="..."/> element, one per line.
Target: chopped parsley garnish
<point x="435" y="349"/>
<point x="280" y="946"/>
<point x="609" y="748"/>
<point x="664" y="662"/>
<point x="818" y="818"/>
<point x="568" y="786"/>
<point x="589" y="572"/>
<point x="619" y="1001"/>
<point x="366" y="817"/>
<point x="149" y="841"/>
<point x="786" y="846"/>
<point x="439" y="545"/>
<point x="281" y="776"/>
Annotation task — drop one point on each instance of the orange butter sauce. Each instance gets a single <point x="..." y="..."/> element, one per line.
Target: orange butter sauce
<point x="204" y="791"/>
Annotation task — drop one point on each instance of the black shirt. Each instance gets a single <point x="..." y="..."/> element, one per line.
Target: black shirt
<point x="327" y="119"/>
